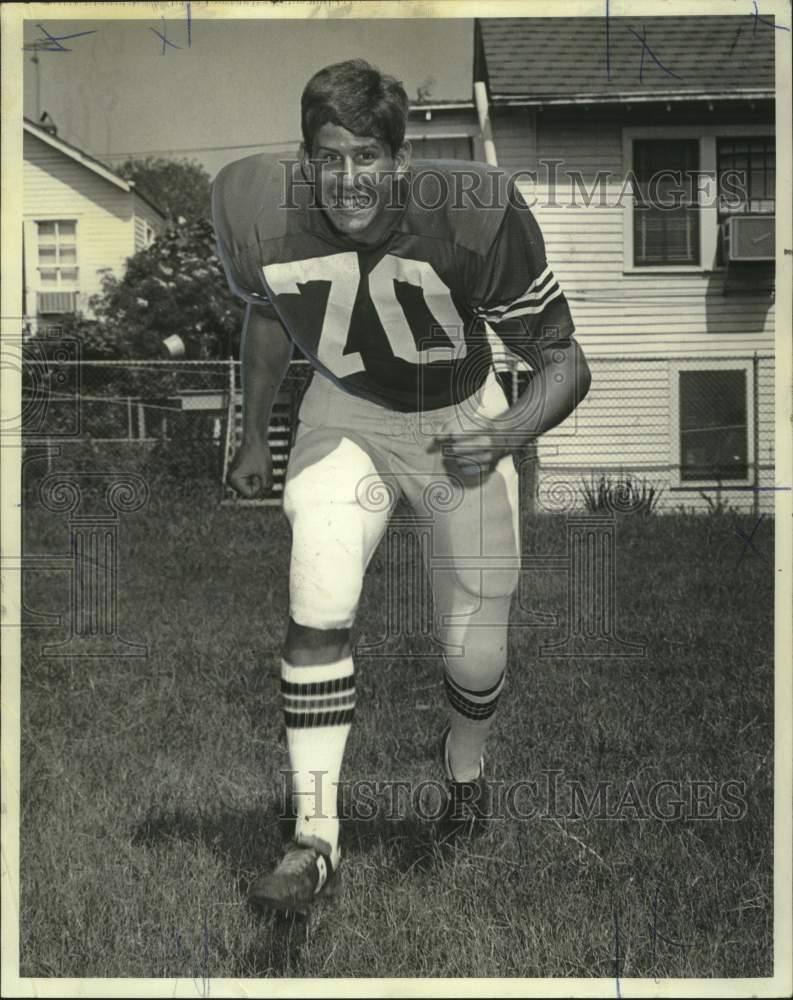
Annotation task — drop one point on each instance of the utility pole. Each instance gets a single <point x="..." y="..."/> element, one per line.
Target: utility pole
<point x="36" y="62"/>
<point x="34" y="48"/>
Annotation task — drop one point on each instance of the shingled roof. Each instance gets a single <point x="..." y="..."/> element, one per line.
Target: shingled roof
<point x="572" y="59"/>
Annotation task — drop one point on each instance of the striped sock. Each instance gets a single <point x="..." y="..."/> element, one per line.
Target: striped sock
<point x="471" y="715"/>
<point x="319" y="703"/>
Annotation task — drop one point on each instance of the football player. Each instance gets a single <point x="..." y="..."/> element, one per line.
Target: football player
<point x="396" y="280"/>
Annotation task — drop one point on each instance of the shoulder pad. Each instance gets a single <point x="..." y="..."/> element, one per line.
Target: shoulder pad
<point x="246" y="196"/>
<point x="460" y="200"/>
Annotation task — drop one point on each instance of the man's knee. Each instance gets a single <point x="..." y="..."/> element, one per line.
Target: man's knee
<point x="306" y="646"/>
<point x="486" y="581"/>
<point x="327" y="566"/>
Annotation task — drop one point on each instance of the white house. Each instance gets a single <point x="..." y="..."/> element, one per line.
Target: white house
<point x="79" y="218"/>
<point x="608" y="122"/>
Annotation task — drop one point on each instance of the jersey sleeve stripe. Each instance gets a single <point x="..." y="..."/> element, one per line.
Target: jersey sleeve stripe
<point x="543" y="287"/>
<point x="531" y="310"/>
<point x="525" y="307"/>
<point x="535" y="289"/>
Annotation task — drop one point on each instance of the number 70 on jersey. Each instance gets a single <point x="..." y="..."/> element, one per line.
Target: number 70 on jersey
<point x="342" y="272"/>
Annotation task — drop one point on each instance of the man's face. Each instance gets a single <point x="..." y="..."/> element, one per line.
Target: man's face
<point x="354" y="175"/>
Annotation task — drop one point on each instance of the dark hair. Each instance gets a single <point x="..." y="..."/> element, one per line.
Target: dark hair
<point x="358" y="97"/>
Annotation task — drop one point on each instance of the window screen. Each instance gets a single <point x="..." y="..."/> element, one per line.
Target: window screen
<point x="714" y="432"/>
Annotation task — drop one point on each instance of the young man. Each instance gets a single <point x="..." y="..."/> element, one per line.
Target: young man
<point x="395" y="280"/>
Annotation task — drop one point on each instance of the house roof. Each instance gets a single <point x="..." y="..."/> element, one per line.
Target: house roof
<point x="88" y="161"/>
<point x="568" y="60"/>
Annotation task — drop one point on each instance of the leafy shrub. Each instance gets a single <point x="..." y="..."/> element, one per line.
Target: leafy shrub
<point x="624" y="495"/>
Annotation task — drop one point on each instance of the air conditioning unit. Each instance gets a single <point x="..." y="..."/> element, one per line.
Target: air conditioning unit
<point x="748" y="238"/>
<point x="56" y="303"/>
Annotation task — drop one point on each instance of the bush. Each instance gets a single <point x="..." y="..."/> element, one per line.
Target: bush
<point x="175" y="286"/>
<point x="625" y="495"/>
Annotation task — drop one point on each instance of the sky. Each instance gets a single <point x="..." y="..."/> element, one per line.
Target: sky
<point x="122" y="90"/>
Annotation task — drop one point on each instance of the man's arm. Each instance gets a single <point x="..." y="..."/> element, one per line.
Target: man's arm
<point x="266" y="353"/>
<point x="561" y="380"/>
<point x="515" y="292"/>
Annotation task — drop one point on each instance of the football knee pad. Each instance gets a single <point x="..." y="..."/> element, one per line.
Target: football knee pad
<point x="333" y="534"/>
<point x="327" y="565"/>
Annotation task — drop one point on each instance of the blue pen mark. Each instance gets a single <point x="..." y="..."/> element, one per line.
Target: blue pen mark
<point x="748" y="540"/>
<point x="735" y="40"/>
<point x="654" y="929"/>
<point x="42" y="44"/>
<point x="756" y="20"/>
<point x="761" y="20"/>
<point x="753" y="489"/>
<point x="161" y="34"/>
<point x="656" y="936"/>
<point x="205" y="956"/>
<point x="646" y="48"/>
<point x="617" y="954"/>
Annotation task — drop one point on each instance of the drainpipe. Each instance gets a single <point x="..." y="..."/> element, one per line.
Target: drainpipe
<point x="483" y="113"/>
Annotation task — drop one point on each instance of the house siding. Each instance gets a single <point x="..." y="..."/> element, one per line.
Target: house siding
<point x="446" y="123"/>
<point x="145" y="213"/>
<point x="140" y="233"/>
<point x="55" y="186"/>
<point x="632" y="326"/>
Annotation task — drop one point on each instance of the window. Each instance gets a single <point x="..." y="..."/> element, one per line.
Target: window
<point x="442" y="147"/>
<point x="148" y="235"/>
<point x="686" y="181"/>
<point x="665" y="212"/>
<point x="713" y="424"/>
<point x="57" y="256"/>
<point x="747" y="179"/>
<point x="747" y="176"/>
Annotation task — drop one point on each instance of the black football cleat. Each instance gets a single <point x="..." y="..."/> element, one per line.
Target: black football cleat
<point x="304" y="874"/>
<point x="469" y="804"/>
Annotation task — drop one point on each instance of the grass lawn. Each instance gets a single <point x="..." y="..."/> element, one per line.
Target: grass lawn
<point x="151" y="786"/>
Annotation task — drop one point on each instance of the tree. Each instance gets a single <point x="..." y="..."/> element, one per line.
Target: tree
<point x="180" y="188"/>
<point x="176" y="286"/>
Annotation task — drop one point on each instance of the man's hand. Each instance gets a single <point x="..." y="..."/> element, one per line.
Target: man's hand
<point x="251" y="471"/>
<point x="561" y="379"/>
<point x="474" y="450"/>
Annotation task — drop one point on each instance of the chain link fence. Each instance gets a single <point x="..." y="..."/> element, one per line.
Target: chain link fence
<point x="688" y="428"/>
<point x="166" y="420"/>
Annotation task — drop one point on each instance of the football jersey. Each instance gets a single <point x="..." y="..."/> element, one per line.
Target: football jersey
<point x="402" y="321"/>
